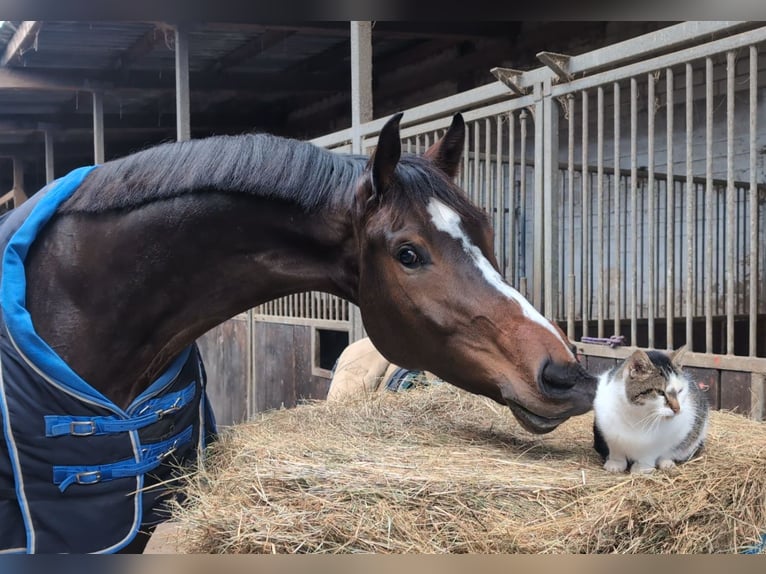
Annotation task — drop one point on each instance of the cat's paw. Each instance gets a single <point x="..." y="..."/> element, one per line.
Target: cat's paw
<point x="641" y="468"/>
<point x="665" y="464"/>
<point x="612" y="465"/>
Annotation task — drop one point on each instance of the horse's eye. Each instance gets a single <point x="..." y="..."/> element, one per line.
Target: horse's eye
<point x="408" y="257"/>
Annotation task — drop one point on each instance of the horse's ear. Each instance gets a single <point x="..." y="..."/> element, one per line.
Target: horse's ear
<point x="386" y="155"/>
<point x="446" y="153"/>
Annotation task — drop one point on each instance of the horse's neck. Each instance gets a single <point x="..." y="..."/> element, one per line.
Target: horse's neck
<point x="118" y="295"/>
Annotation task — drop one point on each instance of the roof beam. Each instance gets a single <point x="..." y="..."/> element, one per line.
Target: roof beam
<point x="140" y="48"/>
<point x="249" y="50"/>
<point x="21" y="79"/>
<point x="25" y="34"/>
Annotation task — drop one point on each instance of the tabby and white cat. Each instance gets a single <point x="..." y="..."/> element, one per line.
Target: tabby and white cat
<point x="648" y="413"/>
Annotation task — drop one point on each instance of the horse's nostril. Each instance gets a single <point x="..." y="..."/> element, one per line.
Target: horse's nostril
<point x="561" y="380"/>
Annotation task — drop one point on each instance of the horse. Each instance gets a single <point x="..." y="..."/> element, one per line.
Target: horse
<point x="125" y="264"/>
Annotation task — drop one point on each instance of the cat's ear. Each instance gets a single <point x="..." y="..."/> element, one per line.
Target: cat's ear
<point x="638" y="365"/>
<point x="677" y="356"/>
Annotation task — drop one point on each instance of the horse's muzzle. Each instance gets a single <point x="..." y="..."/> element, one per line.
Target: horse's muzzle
<point x="568" y="383"/>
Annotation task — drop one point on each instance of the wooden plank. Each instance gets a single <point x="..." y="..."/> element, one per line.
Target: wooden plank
<point x="735" y="391"/>
<point x="723" y="362"/>
<point x="598" y="365"/>
<point x="708" y="380"/>
<point x="273" y="355"/>
<point x="225" y="350"/>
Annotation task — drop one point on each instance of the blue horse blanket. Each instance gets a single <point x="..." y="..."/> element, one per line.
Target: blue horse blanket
<point x="76" y="470"/>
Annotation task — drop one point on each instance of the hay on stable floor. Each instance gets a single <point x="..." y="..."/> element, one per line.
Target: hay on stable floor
<point x="439" y="470"/>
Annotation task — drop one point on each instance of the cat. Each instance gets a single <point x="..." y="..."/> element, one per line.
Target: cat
<point x="648" y="413"/>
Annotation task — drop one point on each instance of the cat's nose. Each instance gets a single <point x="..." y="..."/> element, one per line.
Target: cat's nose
<point x="673" y="404"/>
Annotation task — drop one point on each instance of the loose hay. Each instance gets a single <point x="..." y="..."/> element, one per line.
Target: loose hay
<point x="439" y="470"/>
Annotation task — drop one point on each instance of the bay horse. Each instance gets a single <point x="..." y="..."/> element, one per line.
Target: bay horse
<point x="125" y="264"/>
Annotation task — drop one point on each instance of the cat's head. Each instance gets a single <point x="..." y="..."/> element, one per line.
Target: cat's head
<point x="654" y="381"/>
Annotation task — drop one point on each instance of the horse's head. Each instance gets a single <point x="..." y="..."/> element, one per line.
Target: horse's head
<point x="431" y="295"/>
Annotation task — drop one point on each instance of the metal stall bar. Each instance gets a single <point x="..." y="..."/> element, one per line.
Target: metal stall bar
<point x="633" y="211"/>
<point x="486" y="195"/>
<point x="753" y="308"/>
<point x="523" y="206"/>
<point x="98" y="127"/>
<point x="600" y="209"/>
<point x="511" y="267"/>
<point x="570" y="217"/>
<point x="651" y="209"/>
<point x="585" y="194"/>
<point x="691" y="205"/>
<point x="670" y="215"/>
<point x="730" y="261"/>
<point x="49" y="174"/>
<point x="709" y="191"/>
<point x="549" y="209"/>
<point x="539" y="228"/>
<point x="183" y="114"/>
<point x="499" y="195"/>
<point x="474" y="194"/>
<point x="361" y="112"/>
<point x="617" y="230"/>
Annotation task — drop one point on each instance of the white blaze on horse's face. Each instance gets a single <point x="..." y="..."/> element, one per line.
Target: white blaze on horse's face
<point x="447" y="220"/>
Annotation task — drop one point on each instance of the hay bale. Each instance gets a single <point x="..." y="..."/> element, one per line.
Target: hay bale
<point x="438" y="470"/>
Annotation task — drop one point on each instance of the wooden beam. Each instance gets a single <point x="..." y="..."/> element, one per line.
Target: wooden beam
<point x="249" y="50"/>
<point x="60" y="80"/>
<point x="414" y="78"/>
<point x="140" y="48"/>
<point x="382" y="29"/>
<point x="25" y="34"/>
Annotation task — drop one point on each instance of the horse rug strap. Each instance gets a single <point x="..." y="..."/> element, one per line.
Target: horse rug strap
<point x="78" y="473"/>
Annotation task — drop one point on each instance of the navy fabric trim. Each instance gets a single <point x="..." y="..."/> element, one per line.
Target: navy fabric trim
<point x="165" y="379"/>
<point x="152" y="456"/>
<point x="154" y="410"/>
<point x="13" y="301"/>
<point x="18" y="479"/>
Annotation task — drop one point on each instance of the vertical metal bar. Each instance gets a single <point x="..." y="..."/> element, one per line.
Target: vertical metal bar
<point x="476" y="164"/>
<point x="670" y="216"/>
<point x="523" y="205"/>
<point x="487" y="192"/>
<point x="538" y="240"/>
<point x="634" y="212"/>
<point x="19" y="195"/>
<point x="617" y="229"/>
<point x="49" y="175"/>
<point x="466" y="176"/>
<point x="570" y="217"/>
<point x="754" y="274"/>
<point x="98" y="127"/>
<point x="586" y="247"/>
<point x="600" y="208"/>
<point x="691" y="204"/>
<point x="551" y="202"/>
<point x="730" y="262"/>
<point x="511" y="268"/>
<point x="651" y="209"/>
<point x="361" y="112"/>
<point x="499" y="193"/>
<point x="709" y="191"/>
<point x="183" y="114"/>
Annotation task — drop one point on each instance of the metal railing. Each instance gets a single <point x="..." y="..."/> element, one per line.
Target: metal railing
<point x="600" y="253"/>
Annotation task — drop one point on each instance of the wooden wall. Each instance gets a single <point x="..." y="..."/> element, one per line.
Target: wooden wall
<point x="283" y="366"/>
<point x="225" y="351"/>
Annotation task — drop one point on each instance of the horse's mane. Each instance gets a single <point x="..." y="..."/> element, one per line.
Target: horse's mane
<point x="258" y="164"/>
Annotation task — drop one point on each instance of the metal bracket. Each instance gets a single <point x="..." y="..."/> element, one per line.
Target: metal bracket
<point x="510" y="78"/>
<point x="559" y="63"/>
